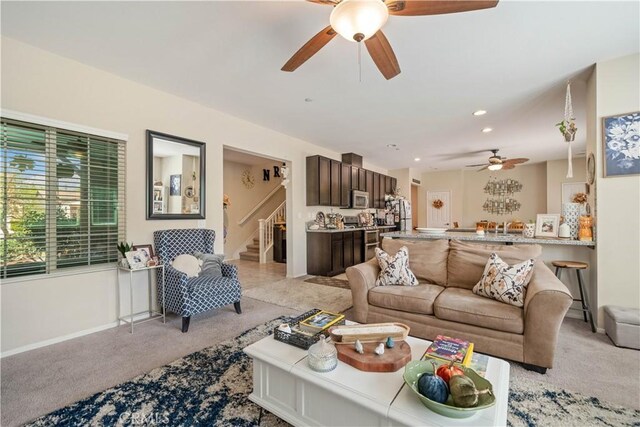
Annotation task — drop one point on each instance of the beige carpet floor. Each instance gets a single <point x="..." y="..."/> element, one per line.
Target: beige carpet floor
<point x="301" y="295"/>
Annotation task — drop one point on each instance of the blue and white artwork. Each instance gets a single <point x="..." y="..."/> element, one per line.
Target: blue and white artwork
<point x="621" y="144"/>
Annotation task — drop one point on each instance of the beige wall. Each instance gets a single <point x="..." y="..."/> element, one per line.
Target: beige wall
<point x="43" y="84"/>
<point x="557" y="175"/>
<point x="244" y="199"/>
<point x="618" y="198"/>
<point x="541" y="192"/>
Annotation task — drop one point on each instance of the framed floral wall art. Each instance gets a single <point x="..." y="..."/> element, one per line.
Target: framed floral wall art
<point x="621" y="144"/>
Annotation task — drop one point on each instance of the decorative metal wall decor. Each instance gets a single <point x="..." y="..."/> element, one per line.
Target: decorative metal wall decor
<point x="502" y="201"/>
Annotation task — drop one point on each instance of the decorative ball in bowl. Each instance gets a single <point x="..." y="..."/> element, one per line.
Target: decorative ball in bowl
<point x="463" y="392"/>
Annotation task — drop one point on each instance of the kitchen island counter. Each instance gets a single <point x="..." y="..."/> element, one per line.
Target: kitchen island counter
<point x="508" y="238"/>
<point x="380" y="228"/>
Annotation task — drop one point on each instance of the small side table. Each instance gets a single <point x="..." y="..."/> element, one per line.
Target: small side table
<point x="153" y="314"/>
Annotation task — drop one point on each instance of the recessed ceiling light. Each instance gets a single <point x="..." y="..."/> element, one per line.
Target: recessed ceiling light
<point x="308" y="100"/>
<point x="487" y="130"/>
<point x="480" y="112"/>
<point x="391" y="145"/>
<point x="417" y="159"/>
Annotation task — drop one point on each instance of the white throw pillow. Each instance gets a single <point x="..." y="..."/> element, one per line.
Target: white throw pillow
<point x="503" y="282"/>
<point x="394" y="270"/>
<point x="187" y="264"/>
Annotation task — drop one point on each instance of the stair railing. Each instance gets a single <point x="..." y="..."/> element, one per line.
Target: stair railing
<point x="265" y="231"/>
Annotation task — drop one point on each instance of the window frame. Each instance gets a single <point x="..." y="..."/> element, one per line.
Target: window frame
<point x="50" y="264"/>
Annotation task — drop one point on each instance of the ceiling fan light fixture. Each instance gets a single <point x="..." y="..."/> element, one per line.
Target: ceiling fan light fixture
<point x="358" y="20"/>
<point x="495" y="167"/>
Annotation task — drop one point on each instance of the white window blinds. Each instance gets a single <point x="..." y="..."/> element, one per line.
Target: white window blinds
<point x="61" y="198"/>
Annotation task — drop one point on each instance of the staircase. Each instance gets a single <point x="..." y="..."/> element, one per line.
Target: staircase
<point x="257" y="251"/>
<point x="253" y="251"/>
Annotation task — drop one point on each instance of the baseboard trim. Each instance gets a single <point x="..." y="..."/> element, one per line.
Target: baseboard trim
<point x="67" y="337"/>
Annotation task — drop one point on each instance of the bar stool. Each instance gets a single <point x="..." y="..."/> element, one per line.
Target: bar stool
<point x="584" y="300"/>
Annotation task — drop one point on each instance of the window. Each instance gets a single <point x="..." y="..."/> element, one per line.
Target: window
<point x="61" y="198"/>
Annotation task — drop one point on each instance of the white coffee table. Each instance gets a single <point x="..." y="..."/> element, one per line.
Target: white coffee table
<point x="284" y="384"/>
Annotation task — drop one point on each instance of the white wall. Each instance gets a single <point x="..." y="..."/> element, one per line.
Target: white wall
<point x="557" y="175"/>
<point x="41" y="83"/>
<point x="617" y="198"/>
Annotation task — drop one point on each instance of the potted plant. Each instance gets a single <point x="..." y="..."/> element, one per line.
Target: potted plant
<point x="568" y="129"/>
<point x="123" y="248"/>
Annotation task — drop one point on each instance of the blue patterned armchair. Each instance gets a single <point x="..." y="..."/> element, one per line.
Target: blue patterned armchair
<point x="189" y="296"/>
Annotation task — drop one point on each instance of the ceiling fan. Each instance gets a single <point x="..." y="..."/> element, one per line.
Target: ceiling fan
<point x="498" y="162"/>
<point x="362" y="20"/>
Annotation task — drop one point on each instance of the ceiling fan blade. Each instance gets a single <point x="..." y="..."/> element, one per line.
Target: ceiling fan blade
<point x="309" y="49"/>
<point x="516" y="161"/>
<point x="382" y="54"/>
<point x="327" y="2"/>
<point x="436" y="7"/>
<point x="506" y="166"/>
<point x="481" y="169"/>
<point x="475" y="166"/>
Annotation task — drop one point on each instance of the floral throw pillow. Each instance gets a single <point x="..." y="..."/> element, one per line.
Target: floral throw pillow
<point x="503" y="282"/>
<point x="394" y="270"/>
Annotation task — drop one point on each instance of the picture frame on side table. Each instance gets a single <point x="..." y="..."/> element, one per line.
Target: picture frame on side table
<point x="619" y="148"/>
<point x="146" y="248"/>
<point x="137" y="259"/>
<point x="547" y="225"/>
<point x="175" y="185"/>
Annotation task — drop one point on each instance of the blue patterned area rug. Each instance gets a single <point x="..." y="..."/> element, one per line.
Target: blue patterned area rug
<point x="210" y="387"/>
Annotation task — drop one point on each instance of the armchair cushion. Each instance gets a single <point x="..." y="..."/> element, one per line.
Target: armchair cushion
<point x="188" y="264"/>
<point x="211" y="264"/>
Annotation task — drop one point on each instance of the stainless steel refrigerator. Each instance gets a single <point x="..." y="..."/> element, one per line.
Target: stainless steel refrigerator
<point x="401" y="210"/>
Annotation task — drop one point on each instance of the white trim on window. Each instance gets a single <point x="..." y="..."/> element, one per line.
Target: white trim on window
<point x="69" y="271"/>
<point x="30" y="118"/>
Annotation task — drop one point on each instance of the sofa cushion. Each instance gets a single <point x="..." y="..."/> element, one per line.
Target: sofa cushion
<point x="463" y="306"/>
<point x="467" y="260"/>
<point x="394" y="270"/>
<point x="503" y="282"/>
<point x="415" y="299"/>
<point x="427" y="258"/>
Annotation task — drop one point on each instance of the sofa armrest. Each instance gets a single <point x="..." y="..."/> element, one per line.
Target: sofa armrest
<point x="545" y="305"/>
<point x="362" y="277"/>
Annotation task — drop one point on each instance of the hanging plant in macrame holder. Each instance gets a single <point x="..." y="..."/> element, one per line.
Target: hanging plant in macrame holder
<point x="568" y="128"/>
<point x="437" y="203"/>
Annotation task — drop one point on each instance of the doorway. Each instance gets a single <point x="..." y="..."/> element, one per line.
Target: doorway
<point x="254" y="208"/>
<point x="439" y="209"/>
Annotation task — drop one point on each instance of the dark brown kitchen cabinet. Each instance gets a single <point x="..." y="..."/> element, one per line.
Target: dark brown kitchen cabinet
<point x="358" y="247"/>
<point x="387" y="185"/>
<point x="335" y="183"/>
<point x="369" y="188"/>
<point x="394" y="182"/>
<point x="375" y="203"/>
<point x="318" y="181"/>
<point x="380" y="201"/>
<point x="329" y="254"/>
<point x="347" y="249"/>
<point x="345" y="185"/>
<point x="354" y="177"/>
<point x="362" y="180"/>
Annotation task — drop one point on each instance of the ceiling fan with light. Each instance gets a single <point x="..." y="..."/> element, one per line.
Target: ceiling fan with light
<point x="362" y="20"/>
<point x="497" y="163"/>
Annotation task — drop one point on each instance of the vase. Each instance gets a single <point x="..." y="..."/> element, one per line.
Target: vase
<point x="124" y="263"/>
<point x="571" y="214"/>
<point x="529" y="230"/>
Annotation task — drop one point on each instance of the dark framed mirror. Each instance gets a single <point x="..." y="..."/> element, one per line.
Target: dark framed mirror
<point x="175" y="177"/>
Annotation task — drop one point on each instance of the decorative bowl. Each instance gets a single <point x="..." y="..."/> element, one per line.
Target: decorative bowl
<point x="414" y="369"/>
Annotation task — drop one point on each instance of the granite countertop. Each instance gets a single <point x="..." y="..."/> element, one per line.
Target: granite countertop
<point x="342" y="230"/>
<point x="488" y="237"/>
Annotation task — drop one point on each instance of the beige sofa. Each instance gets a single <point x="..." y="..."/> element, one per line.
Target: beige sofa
<point x="443" y="302"/>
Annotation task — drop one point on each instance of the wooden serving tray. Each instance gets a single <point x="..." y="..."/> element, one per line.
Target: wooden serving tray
<point x="392" y="359"/>
<point x="372" y="332"/>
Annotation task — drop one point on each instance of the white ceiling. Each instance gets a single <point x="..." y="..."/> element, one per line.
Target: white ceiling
<point x="512" y="61"/>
